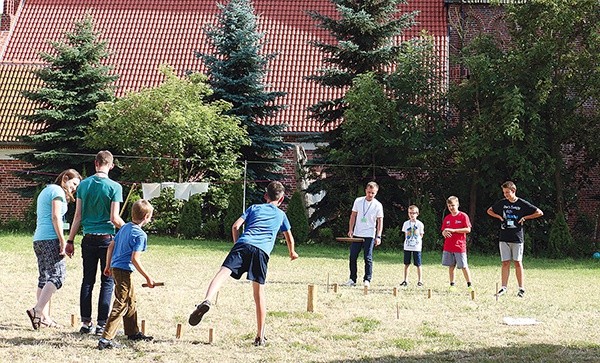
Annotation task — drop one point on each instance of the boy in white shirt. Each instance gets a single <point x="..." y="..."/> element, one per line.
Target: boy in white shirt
<point x="413" y="243"/>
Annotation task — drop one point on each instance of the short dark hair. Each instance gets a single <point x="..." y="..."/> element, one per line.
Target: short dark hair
<point x="275" y="190"/>
<point x="509" y="185"/>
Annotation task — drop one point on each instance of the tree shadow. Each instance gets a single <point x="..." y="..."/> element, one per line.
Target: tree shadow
<point x="523" y="353"/>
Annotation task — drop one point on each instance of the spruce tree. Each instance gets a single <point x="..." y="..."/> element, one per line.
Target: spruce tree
<point x="366" y="34"/>
<point x="236" y="71"/>
<point x="75" y="79"/>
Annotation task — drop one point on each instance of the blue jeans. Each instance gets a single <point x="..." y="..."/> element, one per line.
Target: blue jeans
<point x="355" y="249"/>
<point x="93" y="250"/>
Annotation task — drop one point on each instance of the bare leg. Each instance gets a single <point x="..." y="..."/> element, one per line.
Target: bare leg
<point x="506" y="272"/>
<point x="519" y="273"/>
<point x="261" y="308"/>
<point x="216" y="283"/>
<point x="419" y="273"/>
<point x="406" y="272"/>
<point x="43" y="298"/>
<point x="467" y="274"/>
<point x="451" y="273"/>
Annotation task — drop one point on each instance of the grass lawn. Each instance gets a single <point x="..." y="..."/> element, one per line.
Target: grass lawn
<point x="347" y="326"/>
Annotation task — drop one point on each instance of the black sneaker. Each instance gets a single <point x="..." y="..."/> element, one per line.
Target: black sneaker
<point x="260" y="342"/>
<point x="403" y="284"/>
<point x="521" y="292"/>
<point x="86" y="329"/>
<point x="107" y="344"/>
<point x="196" y="315"/>
<point x="419" y="284"/>
<point x="99" y="330"/>
<point x="140" y="336"/>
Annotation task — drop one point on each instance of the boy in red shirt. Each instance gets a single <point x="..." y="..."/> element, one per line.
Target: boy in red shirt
<point x="455" y="227"/>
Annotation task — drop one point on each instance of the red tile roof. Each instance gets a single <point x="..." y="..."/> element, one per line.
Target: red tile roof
<point x="143" y="34"/>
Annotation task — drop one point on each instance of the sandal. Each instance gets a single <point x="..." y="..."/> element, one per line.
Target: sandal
<point x="35" y="320"/>
<point x="50" y="324"/>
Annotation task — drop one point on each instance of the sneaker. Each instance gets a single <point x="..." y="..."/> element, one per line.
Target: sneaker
<point x="196" y="315"/>
<point x="501" y="292"/>
<point x="349" y="283"/>
<point x="521" y="292"/>
<point x="419" y="284"/>
<point x="403" y="284"/>
<point x="260" y="342"/>
<point x="86" y="329"/>
<point x="451" y="288"/>
<point x="470" y="288"/>
<point x="366" y="283"/>
<point x="99" y="330"/>
<point x="107" y="344"/>
<point x="140" y="336"/>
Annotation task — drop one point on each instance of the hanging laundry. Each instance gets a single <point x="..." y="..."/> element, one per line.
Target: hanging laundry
<point x="150" y="190"/>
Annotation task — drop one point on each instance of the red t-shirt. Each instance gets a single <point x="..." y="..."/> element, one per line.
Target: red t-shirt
<point x="458" y="241"/>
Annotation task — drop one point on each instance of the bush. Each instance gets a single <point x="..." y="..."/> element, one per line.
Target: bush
<point x="190" y="222"/>
<point x="432" y="240"/>
<point x="560" y="242"/>
<point x="234" y="207"/>
<point x="393" y="238"/>
<point x="325" y="235"/>
<point x="167" y="211"/>
<point x="296" y="213"/>
<point x="212" y="229"/>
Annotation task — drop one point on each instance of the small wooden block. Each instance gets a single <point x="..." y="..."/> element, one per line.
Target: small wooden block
<point x="178" y="333"/>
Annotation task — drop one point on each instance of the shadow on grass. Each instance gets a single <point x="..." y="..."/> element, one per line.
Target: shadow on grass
<point x="524" y="353"/>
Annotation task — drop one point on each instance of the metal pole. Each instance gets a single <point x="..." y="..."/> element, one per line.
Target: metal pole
<point x="244" y="196"/>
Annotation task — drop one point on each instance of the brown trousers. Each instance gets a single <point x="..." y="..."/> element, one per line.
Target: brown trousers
<point x="123" y="306"/>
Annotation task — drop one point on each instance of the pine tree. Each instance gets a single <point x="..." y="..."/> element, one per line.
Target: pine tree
<point x="236" y="72"/>
<point x="75" y="80"/>
<point x="366" y="33"/>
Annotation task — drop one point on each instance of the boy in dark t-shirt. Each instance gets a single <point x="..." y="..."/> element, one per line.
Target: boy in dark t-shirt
<point x="512" y="212"/>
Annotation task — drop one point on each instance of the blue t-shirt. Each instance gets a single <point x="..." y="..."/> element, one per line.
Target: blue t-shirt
<point x="263" y="222"/>
<point x="44" y="229"/>
<point x="129" y="239"/>
<point x="97" y="194"/>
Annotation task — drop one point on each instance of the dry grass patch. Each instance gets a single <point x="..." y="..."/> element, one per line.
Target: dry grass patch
<point x="346" y="326"/>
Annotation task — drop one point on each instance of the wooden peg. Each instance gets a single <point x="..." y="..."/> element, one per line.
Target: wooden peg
<point x="144" y="327"/>
<point x="178" y="333"/>
<point x="310" y="306"/>
<point x="429" y="293"/>
<point x="395" y="292"/>
<point x="210" y="335"/>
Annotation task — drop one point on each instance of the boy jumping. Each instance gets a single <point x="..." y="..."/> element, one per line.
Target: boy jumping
<point x="250" y="253"/>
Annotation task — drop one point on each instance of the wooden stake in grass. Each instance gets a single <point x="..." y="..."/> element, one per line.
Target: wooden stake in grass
<point x="397" y="311"/>
<point x="72" y="320"/>
<point x="210" y="335"/>
<point x="429" y="293"/>
<point x="335" y="288"/>
<point x="310" y="305"/>
<point x="178" y="332"/>
<point x="328" y="282"/>
<point x="496" y="292"/>
<point x="365" y="290"/>
<point x="143" y="326"/>
<point x="395" y="291"/>
<point x="472" y="294"/>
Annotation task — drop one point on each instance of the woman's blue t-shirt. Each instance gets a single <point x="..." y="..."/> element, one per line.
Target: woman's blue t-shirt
<point x="44" y="230"/>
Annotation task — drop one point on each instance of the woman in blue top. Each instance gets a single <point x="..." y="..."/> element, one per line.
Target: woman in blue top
<point x="49" y="243"/>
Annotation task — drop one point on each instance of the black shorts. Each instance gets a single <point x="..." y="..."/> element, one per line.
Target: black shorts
<point x="244" y="257"/>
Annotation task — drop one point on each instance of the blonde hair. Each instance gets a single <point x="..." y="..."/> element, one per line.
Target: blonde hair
<point x="452" y="199"/>
<point x="140" y="209"/>
<point x="62" y="180"/>
<point x="372" y="185"/>
<point x="104" y="157"/>
<point x="413" y="207"/>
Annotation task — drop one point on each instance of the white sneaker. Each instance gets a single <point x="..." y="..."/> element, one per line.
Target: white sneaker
<point x="349" y="283"/>
<point x="366" y="283"/>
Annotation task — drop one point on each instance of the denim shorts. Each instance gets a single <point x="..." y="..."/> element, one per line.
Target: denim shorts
<point x="416" y="257"/>
<point x="244" y="257"/>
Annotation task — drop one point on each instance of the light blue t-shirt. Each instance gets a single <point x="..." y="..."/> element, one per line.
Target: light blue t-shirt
<point x="263" y="222"/>
<point x="97" y="194"/>
<point x="129" y="239"/>
<point x="44" y="229"/>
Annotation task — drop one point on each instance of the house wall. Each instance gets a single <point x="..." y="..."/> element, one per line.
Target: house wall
<point x="13" y="204"/>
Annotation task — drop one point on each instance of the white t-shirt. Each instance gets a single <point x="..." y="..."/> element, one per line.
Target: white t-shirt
<point x="414" y="235"/>
<point x="366" y="216"/>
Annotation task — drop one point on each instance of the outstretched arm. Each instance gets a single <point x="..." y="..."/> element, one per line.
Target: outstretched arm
<point x="289" y="240"/>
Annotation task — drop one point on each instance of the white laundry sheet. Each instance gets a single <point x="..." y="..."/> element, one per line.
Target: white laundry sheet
<point x="183" y="191"/>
